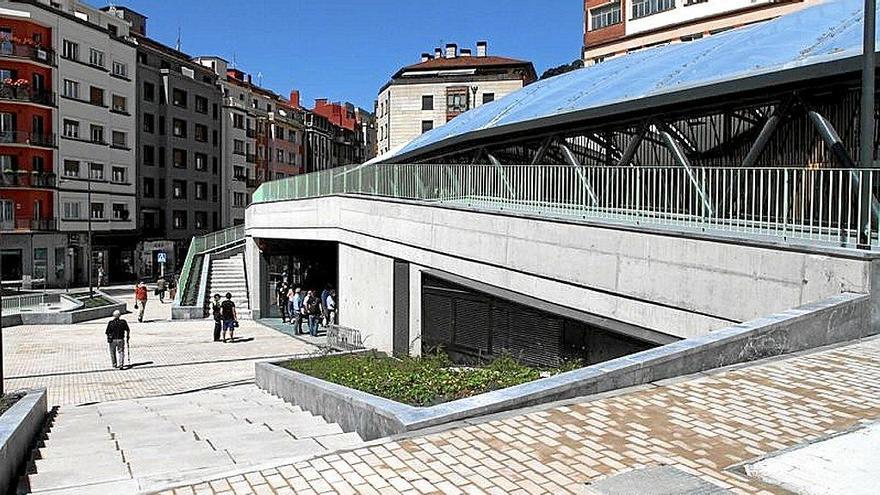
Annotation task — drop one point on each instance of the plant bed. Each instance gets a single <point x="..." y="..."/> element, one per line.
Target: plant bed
<point x="420" y="382"/>
<point x="9" y="400"/>
<point x="95" y="301"/>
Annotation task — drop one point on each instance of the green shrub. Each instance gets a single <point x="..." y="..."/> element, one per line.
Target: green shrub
<point x="423" y="381"/>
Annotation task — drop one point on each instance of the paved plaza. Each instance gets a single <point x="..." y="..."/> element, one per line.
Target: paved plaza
<point x="169" y="357"/>
<point x="704" y="425"/>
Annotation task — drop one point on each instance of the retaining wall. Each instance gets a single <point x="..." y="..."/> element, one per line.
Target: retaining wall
<point x="836" y="319"/>
<point x="18" y="425"/>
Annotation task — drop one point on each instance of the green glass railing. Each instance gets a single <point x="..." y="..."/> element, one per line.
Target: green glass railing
<point x="188" y="284"/>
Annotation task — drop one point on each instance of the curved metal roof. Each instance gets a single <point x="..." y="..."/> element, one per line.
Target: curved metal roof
<point x="822" y="33"/>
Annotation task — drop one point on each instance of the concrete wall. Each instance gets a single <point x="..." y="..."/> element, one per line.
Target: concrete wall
<point x="366" y="291"/>
<point x="18" y="426"/>
<point x="679" y="285"/>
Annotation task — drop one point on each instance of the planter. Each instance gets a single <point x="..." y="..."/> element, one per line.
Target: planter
<point x="18" y="425"/>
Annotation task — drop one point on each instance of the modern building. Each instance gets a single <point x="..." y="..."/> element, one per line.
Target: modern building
<point x="67" y="68"/>
<point x="178" y="150"/>
<point x="442" y="86"/>
<point x="617" y="27"/>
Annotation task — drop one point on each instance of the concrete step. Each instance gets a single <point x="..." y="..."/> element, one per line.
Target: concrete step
<point x="77" y="476"/>
<point x="339" y="441"/>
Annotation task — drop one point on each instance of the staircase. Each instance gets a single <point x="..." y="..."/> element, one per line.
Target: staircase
<point x="146" y="444"/>
<point x="228" y="275"/>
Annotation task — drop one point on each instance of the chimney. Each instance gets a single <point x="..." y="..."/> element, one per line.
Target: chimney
<point x="320" y="103"/>
<point x="249" y="80"/>
<point x="451" y="50"/>
<point x="465" y="52"/>
<point x="294" y="98"/>
<point x="426" y="57"/>
<point x="482" y="48"/>
<point x="438" y="53"/>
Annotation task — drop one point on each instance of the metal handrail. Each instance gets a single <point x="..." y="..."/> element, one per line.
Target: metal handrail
<point x="816" y="205"/>
<point x="16" y="304"/>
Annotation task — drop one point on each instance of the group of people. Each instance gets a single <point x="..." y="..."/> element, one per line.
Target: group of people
<point x="225" y="317"/>
<point x="314" y="309"/>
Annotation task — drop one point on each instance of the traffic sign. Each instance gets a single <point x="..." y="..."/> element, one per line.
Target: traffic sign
<point x="162" y="257"/>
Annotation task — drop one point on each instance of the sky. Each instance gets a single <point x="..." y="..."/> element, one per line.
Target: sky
<point x="347" y="49"/>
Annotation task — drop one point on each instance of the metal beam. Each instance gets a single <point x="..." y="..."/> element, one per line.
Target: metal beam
<point x="542" y="151"/>
<point x="497" y="163"/>
<point x="633" y="147"/>
<point x="682" y="159"/>
<point x="866" y="150"/>
<point x="764" y="136"/>
<point x="585" y="181"/>
<point x="831" y="138"/>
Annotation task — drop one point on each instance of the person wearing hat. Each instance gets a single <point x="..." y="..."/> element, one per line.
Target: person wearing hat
<point x="215" y="312"/>
<point x="118" y="335"/>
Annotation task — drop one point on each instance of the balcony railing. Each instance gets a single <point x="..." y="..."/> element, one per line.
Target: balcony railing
<point x="27" y="95"/>
<point x="28" y="224"/>
<point x="29" y="138"/>
<point x="25" y="178"/>
<point x="809" y="205"/>
<point x="40" y="54"/>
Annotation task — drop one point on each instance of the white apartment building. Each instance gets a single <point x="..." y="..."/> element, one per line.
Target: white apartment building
<point x="442" y="86"/>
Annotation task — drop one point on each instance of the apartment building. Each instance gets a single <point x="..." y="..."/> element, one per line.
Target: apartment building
<point x="350" y="131"/>
<point x="616" y="27"/>
<point x="318" y="143"/>
<point x="441" y="86"/>
<point x="178" y="150"/>
<point x="70" y="72"/>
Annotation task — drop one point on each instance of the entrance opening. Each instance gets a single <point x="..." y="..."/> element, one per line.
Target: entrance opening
<point x="309" y="265"/>
<point x="473" y="326"/>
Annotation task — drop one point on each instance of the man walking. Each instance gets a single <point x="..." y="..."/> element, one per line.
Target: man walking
<point x="161" y="286"/>
<point x="118" y="335"/>
<point x="331" y="307"/>
<point x="312" y="306"/>
<point x="325" y="312"/>
<point x="295" y="308"/>
<point x="229" y="316"/>
<point x="216" y="310"/>
<point x="281" y="294"/>
<point x="140" y="300"/>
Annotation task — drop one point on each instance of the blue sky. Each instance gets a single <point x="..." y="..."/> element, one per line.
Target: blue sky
<point x="347" y="49"/>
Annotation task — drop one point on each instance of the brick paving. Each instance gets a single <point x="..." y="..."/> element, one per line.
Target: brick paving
<point x="702" y="425"/>
<point x="73" y="361"/>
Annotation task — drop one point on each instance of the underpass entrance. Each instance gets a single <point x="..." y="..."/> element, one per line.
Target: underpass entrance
<point x="309" y="265"/>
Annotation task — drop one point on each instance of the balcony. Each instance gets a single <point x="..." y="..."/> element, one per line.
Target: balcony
<point x="251" y="183"/>
<point x="28" y="224"/>
<point x="251" y="158"/>
<point x="27" y="138"/>
<point x="26" y="178"/>
<point x="24" y="94"/>
<point x="25" y="49"/>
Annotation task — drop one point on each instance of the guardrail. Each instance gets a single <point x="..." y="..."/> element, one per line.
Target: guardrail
<point x="819" y="206"/>
<point x="198" y="246"/>
<point x="25" y="302"/>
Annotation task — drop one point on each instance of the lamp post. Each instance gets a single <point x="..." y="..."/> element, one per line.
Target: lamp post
<point x="866" y="149"/>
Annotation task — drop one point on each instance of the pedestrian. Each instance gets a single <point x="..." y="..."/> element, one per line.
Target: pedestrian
<point x="100" y="276"/>
<point x="216" y="312"/>
<point x="161" y="286"/>
<point x="312" y="305"/>
<point x="281" y="296"/>
<point x="229" y="317"/>
<point x="118" y="335"/>
<point x="172" y="287"/>
<point x="140" y="300"/>
<point x="325" y="313"/>
<point x="295" y="309"/>
<point x="331" y="307"/>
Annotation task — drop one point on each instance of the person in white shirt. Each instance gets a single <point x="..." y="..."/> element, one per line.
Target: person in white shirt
<point x="331" y="308"/>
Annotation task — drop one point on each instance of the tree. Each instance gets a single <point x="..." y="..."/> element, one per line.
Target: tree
<point x="562" y="69"/>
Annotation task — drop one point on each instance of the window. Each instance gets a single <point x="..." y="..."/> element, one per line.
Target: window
<point x="604" y="16"/>
<point x="201" y="161"/>
<point x="644" y="8"/>
<point x="98" y="211"/>
<point x="178" y="189"/>
<point x="179" y="158"/>
<point x="149" y="157"/>
<point x="488" y="98"/>
<point x="215" y="167"/>
<point x="178" y="97"/>
<point x="178" y="219"/>
<point x="149" y="91"/>
<point x="427" y="102"/>
<point x="120" y="104"/>
<point x="201" y="104"/>
<point x="120" y="211"/>
<point x="142" y="58"/>
<point x="201" y="218"/>
<point x="149" y="123"/>
<point x="71" y="89"/>
<point x="96" y="96"/>
<point x="41" y="262"/>
<point x="280" y="154"/>
<point x="71" y="210"/>
<point x="149" y="187"/>
<point x="70" y="50"/>
<point x="96" y="171"/>
<point x="71" y="129"/>
<point x="456" y="102"/>
<point x="178" y="128"/>
<point x="120" y="139"/>
<point x="238" y="121"/>
<point x="118" y="175"/>
<point x="238" y="172"/>
<point x="71" y="168"/>
<point x="427" y="125"/>
<point x="238" y="199"/>
<point x="238" y="147"/>
<point x="201" y="191"/>
<point x="96" y="57"/>
<point x="120" y="69"/>
<point x="97" y="133"/>
<point x="201" y="133"/>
